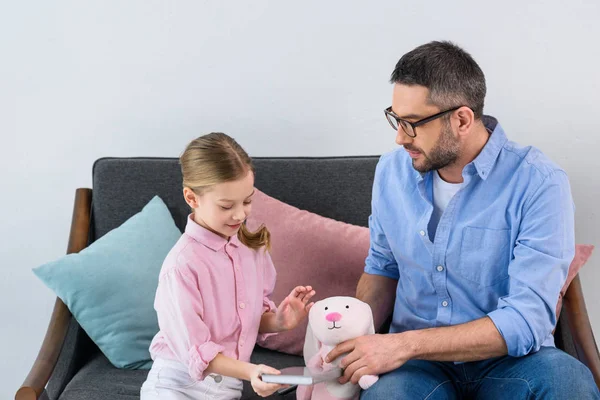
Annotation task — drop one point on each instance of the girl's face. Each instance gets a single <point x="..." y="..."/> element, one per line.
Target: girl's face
<point x="223" y="207"/>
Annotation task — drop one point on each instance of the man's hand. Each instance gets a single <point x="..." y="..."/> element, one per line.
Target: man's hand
<point x="370" y="355"/>
<point x="377" y="354"/>
<point x="294" y="308"/>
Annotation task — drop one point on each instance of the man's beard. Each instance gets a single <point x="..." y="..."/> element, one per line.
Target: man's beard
<point x="445" y="152"/>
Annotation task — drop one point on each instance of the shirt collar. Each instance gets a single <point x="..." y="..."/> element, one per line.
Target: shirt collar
<point x="485" y="161"/>
<point x="208" y="238"/>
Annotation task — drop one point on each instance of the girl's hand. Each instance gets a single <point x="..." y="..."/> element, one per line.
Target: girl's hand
<point x="294" y="308"/>
<point x="261" y="388"/>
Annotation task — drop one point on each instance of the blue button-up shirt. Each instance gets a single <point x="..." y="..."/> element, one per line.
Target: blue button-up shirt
<point x="502" y="248"/>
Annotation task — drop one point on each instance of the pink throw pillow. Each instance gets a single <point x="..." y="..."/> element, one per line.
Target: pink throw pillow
<point x="308" y="249"/>
<point x="582" y="254"/>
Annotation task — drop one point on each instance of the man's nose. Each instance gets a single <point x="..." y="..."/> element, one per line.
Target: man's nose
<point x="401" y="137"/>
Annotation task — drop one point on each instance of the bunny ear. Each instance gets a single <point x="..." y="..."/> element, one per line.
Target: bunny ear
<point x="311" y="344"/>
<point x="371" y="323"/>
<point x="371" y="328"/>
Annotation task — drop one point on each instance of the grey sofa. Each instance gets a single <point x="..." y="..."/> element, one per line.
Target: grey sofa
<point x="69" y="365"/>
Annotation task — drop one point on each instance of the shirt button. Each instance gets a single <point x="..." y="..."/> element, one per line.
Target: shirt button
<point x="422" y="233"/>
<point x="242" y="305"/>
<point x="440" y="268"/>
<point x="241" y="342"/>
<point x="445" y="303"/>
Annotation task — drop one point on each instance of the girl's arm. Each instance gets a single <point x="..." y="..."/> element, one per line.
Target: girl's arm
<point x="268" y="323"/>
<point x="226" y="366"/>
<point x="292" y="310"/>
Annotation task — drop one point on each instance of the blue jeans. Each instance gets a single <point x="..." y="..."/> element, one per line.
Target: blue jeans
<point x="548" y="374"/>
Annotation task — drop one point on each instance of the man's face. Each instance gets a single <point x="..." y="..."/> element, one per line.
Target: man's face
<point x="435" y="146"/>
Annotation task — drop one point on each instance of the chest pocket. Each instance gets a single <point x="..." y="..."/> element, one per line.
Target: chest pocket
<point x="484" y="255"/>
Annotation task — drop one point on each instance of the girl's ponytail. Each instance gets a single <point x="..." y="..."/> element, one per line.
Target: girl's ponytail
<point x="255" y="240"/>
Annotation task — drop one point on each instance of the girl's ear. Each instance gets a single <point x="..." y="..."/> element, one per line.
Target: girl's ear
<point x="190" y="197"/>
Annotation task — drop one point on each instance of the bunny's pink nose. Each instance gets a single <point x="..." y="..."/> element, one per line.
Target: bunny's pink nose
<point x="333" y="317"/>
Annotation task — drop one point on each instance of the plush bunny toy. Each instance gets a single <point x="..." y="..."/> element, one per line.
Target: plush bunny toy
<point x="332" y="321"/>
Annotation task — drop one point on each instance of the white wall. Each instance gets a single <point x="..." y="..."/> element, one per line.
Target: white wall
<point x="85" y="79"/>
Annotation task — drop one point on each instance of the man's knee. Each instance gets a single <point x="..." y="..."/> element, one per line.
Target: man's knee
<point x="414" y="380"/>
<point x="560" y="376"/>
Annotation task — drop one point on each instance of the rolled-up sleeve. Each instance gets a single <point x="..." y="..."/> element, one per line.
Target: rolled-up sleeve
<point x="380" y="259"/>
<point x="179" y="307"/>
<point x="544" y="249"/>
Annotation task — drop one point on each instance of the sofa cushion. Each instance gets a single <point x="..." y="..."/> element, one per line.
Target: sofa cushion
<point x="99" y="380"/>
<point x="110" y="286"/>
<point x="308" y="249"/>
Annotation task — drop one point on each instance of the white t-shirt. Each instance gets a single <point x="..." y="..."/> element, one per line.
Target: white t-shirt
<point x="442" y="194"/>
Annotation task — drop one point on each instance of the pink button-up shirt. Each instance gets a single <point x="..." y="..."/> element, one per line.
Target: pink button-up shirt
<point x="210" y="298"/>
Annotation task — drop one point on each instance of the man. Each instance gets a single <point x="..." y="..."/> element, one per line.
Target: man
<point x="471" y="241"/>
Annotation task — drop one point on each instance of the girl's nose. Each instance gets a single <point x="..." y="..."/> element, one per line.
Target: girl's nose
<point x="333" y="317"/>
<point x="240" y="216"/>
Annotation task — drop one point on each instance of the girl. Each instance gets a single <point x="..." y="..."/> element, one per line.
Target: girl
<point x="213" y="292"/>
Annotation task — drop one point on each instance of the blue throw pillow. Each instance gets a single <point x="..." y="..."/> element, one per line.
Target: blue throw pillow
<point x="110" y="286"/>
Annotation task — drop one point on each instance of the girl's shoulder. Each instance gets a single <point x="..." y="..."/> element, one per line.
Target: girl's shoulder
<point x="189" y="256"/>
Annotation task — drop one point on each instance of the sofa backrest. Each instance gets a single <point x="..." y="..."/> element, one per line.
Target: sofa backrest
<point x="334" y="187"/>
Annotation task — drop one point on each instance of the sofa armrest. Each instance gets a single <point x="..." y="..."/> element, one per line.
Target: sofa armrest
<point x="581" y="329"/>
<point x="34" y="385"/>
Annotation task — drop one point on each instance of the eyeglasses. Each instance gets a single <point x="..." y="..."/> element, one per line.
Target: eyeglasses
<point x="410" y="128"/>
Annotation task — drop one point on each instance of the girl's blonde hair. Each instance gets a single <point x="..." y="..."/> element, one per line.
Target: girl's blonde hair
<point x="217" y="158"/>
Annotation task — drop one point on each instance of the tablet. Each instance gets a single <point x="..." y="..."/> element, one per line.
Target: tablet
<point x="301" y="376"/>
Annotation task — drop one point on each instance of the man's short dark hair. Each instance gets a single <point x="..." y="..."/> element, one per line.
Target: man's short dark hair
<point x="450" y="73"/>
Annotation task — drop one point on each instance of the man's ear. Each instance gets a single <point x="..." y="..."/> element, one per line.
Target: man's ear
<point x="190" y="197"/>
<point x="464" y="120"/>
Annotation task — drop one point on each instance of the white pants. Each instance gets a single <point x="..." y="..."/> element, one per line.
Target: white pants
<point x="170" y="380"/>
